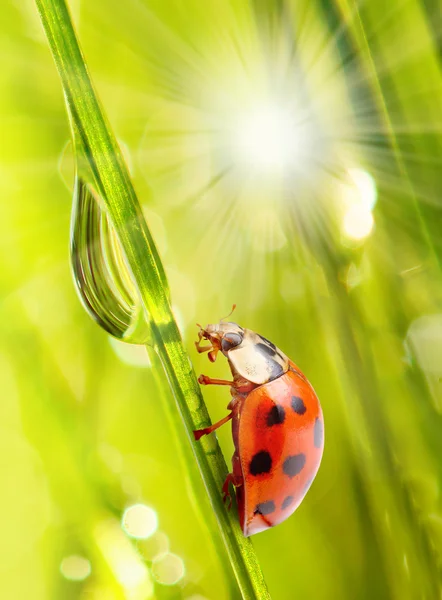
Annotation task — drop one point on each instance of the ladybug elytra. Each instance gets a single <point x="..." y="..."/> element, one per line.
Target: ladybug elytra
<point x="277" y="425"/>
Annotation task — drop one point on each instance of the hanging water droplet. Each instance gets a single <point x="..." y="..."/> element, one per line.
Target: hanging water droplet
<point x="101" y="275"/>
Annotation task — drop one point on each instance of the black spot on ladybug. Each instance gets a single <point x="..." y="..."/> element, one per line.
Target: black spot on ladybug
<point x="265" y="508"/>
<point x="293" y="465"/>
<point x="298" y="405"/>
<point x="268" y="342"/>
<point x="266" y="350"/>
<point x="276" y="415"/>
<point x="318" y="435"/>
<point x="276" y="369"/>
<point x="287" y="501"/>
<point x="275" y="349"/>
<point x="260" y="463"/>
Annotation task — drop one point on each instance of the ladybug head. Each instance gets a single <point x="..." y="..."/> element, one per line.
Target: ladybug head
<point x="222" y="337"/>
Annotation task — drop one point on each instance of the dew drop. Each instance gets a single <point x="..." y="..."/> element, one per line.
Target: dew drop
<point x="102" y="278"/>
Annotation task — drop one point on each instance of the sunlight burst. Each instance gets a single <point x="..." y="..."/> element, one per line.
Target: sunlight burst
<point x="267" y="138"/>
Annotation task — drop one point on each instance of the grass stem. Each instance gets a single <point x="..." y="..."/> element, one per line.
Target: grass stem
<point x="103" y="161"/>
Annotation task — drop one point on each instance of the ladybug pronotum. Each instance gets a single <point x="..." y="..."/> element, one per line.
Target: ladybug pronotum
<point x="277" y="425"/>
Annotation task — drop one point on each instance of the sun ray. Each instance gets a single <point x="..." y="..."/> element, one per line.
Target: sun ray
<point x="265" y="116"/>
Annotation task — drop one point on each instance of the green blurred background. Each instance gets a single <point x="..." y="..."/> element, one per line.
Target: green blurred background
<point x="330" y="247"/>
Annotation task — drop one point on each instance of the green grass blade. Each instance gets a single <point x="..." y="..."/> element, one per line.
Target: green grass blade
<point x="104" y="164"/>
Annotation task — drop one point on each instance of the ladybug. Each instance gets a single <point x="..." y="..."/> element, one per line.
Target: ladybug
<point x="277" y="425"/>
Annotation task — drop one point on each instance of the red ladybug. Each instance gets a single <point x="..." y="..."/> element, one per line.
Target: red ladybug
<point x="277" y="425"/>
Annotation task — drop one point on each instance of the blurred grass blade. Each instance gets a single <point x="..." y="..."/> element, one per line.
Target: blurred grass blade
<point x="100" y="163"/>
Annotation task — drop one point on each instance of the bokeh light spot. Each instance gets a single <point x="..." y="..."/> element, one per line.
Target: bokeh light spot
<point x="366" y="186"/>
<point x="75" y="568"/>
<point x="358" y="222"/>
<point x="155" y="547"/>
<point x="139" y="521"/>
<point x="128" y="568"/>
<point x="168" y="569"/>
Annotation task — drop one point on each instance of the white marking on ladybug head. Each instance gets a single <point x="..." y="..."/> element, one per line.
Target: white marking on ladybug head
<point x="256" y="359"/>
<point x="250" y="355"/>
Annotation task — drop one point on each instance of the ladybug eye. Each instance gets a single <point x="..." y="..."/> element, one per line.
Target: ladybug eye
<point x="230" y="340"/>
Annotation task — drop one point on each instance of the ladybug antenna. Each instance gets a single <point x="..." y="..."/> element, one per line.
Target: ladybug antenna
<point x="233" y="308"/>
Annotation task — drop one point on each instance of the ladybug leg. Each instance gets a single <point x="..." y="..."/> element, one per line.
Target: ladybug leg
<point x="204" y="380"/>
<point x="234" y="478"/>
<point x="210" y="349"/>
<point x="200" y="432"/>
<point x="234" y="401"/>
<point x="201" y="349"/>
<point x="227" y="497"/>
